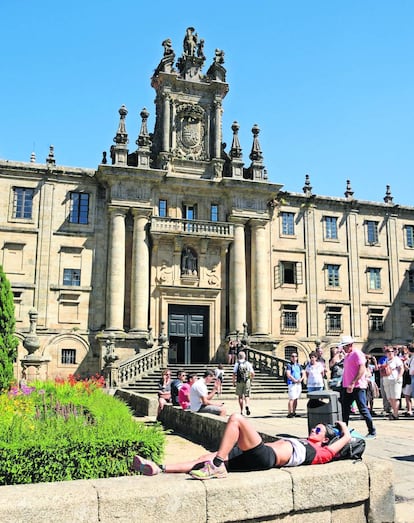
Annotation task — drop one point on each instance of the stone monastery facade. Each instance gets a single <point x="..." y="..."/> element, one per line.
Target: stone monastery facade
<point x="180" y="236"/>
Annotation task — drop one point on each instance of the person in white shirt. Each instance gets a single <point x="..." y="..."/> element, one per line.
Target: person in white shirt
<point x="200" y="397"/>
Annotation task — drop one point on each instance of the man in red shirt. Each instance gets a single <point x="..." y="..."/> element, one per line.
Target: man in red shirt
<point x="242" y="449"/>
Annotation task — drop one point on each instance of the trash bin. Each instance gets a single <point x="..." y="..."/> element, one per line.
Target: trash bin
<point x="323" y="407"/>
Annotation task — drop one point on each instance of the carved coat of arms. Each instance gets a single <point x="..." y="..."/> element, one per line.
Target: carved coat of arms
<point x="190" y="132"/>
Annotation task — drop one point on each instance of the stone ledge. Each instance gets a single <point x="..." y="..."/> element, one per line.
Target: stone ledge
<point x="325" y="493"/>
<point x="336" y="492"/>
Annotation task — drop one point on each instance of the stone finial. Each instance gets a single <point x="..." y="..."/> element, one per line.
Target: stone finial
<point x="256" y="153"/>
<point x="50" y="160"/>
<point x="236" y="150"/>
<point x="168" y="50"/>
<point x="104" y="158"/>
<point x="144" y="140"/>
<point x="31" y="342"/>
<point x="307" y="188"/>
<point x="349" y="193"/>
<point x="33" y="157"/>
<point x="121" y="134"/>
<point x="388" y="196"/>
<point x="219" y="56"/>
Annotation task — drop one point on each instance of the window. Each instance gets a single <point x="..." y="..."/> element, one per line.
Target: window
<point x="288" y="223"/>
<point x="79" y="207"/>
<point x="334" y="320"/>
<point x="410" y="278"/>
<point x="331" y="228"/>
<point x="162" y="208"/>
<point x="190" y="212"/>
<point x="22" y="203"/>
<point x="71" y="277"/>
<point x="332" y="275"/>
<point x="289" y="318"/>
<point x="374" y="278"/>
<point x="288" y="272"/>
<point x="376" y="321"/>
<point x="409" y="236"/>
<point x="214" y="212"/>
<point x="372" y="232"/>
<point x="68" y="357"/>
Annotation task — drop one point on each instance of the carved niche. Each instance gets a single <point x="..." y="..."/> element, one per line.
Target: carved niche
<point x="190" y="128"/>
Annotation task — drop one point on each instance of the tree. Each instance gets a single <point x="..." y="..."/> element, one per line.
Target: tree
<point x="8" y="341"/>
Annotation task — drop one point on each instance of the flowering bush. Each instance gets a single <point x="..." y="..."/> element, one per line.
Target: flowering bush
<point x="69" y="429"/>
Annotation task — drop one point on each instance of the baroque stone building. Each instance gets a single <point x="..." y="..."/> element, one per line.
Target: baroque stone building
<point x="182" y="237"/>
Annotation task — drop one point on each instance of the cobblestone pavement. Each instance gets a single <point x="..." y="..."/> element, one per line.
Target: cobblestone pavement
<point x="394" y="442"/>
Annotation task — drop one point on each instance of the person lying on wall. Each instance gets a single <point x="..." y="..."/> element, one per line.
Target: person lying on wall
<point x="242" y="449"/>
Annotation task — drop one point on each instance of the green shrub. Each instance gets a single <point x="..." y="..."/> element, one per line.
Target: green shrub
<point x="62" y="431"/>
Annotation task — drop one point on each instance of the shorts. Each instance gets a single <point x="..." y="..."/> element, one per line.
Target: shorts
<point x="210" y="409"/>
<point x="407" y="390"/>
<point x="392" y="388"/>
<point x="243" y="388"/>
<point x="261" y="457"/>
<point x="294" y="391"/>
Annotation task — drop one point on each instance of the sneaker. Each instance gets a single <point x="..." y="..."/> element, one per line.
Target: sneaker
<point x="296" y="415"/>
<point x="145" y="466"/>
<point x="290" y="415"/>
<point x="248" y="411"/>
<point x="209" y="471"/>
<point x="392" y="416"/>
<point x="408" y="414"/>
<point x="373" y="435"/>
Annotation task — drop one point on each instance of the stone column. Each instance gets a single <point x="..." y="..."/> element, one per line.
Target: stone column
<point x="217" y="130"/>
<point x="260" y="280"/>
<point x="140" y="274"/>
<point x="166" y="123"/>
<point x="353" y="272"/>
<point x="116" y="278"/>
<point x="238" y="279"/>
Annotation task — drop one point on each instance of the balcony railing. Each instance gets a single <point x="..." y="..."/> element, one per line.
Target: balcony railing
<point x="191" y="227"/>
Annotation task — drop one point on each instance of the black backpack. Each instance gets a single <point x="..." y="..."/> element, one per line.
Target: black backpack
<point x="352" y="450"/>
<point x="243" y="373"/>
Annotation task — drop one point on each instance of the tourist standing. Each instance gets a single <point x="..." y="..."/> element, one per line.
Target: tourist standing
<point x="393" y="372"/>
<point x="354" y="383"/>
<point x="314" y="373"/>
<point x="243" y="375"/>
<point x="295" y="376"/>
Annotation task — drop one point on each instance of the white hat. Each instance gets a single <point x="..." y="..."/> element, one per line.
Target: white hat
<point x="346" y="340"/>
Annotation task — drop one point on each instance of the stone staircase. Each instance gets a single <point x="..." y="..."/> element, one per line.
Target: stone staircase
<point x="264" y="384"/>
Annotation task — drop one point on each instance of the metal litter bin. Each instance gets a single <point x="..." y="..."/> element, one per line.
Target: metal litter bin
<point x="323" y="407"/>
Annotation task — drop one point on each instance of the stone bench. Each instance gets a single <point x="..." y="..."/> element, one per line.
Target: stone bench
<point x="336" y="492"/>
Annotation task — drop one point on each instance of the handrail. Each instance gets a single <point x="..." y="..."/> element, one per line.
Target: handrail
<point x="142" y="363"/>
<point x="266" y="362"/>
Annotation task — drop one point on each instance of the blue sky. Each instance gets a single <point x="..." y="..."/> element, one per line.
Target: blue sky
<point x="329" y="83"/>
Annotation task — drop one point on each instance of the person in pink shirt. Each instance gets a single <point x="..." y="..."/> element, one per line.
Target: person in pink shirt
<point x="354" y="384"/>
<point x="184" y="392"/>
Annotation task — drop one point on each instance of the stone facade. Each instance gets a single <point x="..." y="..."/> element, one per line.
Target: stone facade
<point x="182" y="233"/>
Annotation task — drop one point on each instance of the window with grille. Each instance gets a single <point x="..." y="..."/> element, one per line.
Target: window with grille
<point x="372" y="232"/>
<point x="331" y="228"/>
<point x="79" y="208"/>
<point x="68" y="357"/>
<point x="409" y="236"/>
<point x="332" y="271"/>
<point x="288" y="223"/>
<point x="289" y="318"/>
<point x="71" y="277"/>
<point x="374" y="278"/>
<point x="376" y="320"/>
<point x="22" y="203"/>
<point x="334" y="320"/>
<point x="410" y="278"/>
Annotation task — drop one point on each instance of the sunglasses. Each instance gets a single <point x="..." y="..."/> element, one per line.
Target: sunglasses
<point x="318" y="430"/>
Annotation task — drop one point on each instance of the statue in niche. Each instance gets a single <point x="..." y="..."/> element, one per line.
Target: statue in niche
<point x="188" y="262"/>
<point x="190" y="42"/>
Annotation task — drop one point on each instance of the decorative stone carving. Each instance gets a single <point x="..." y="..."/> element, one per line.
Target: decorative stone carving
<point x="190" y="132"/>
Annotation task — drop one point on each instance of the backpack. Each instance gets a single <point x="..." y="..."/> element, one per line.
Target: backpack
<point x="352" y="450"/>
<point x="243" y="373"/>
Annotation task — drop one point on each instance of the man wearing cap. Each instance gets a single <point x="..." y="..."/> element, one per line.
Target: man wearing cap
<point x="354" y="383"/>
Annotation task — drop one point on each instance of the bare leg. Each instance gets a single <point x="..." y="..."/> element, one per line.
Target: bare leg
<point x="238" y="431"/>
<point x="241" y="403"/>
<point x="188" y="465"/>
